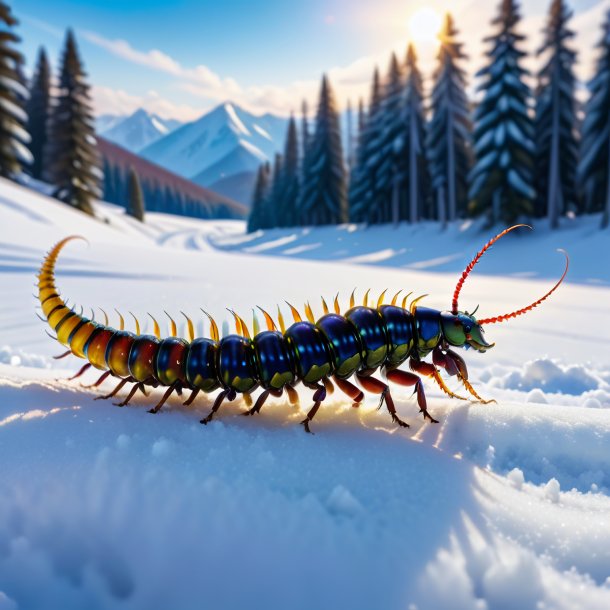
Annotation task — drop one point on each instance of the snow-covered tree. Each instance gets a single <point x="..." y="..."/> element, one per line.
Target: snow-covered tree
<point x="135" y="201"/>
<point x="258" y="212"/>
<point x="288" y="212"/>
<point x="38" y="110"/>
<point x="323" y="195"/>
<point x="361" y="188"/>
<point x="502" y="182"/>
<point x="449" y="131"/>
<point x="556" y="122"/>
<point x="72" y="161"/>
<point x="413" y="180"/>
<point x="594" y="167"/>
<point x="14" y="138"/>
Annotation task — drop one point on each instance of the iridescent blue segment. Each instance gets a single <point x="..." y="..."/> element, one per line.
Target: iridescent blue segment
<point x="401" y="337"/>
<point x="170" y="363"/>
<point x="236" y="364"/>
<point x="428" y="328"/>
<point x="142" y="358"/>
<point x="308" y="347"/>
<point x="201" y="372"/>
<point x="344" y="342"/>
<point x="371" y="328"/>
<point x="275" y="369"/>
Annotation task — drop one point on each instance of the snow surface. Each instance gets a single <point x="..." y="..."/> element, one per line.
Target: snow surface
<point x="498" y="506"/>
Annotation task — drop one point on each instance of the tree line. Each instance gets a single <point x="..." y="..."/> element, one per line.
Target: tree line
<point x="510" y="153"/>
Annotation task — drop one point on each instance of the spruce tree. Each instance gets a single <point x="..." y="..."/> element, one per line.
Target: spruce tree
<point x="258" y="212"/>
<point x="288" y="211"/>
<point x="323" y="197"/>
<point x="305" y="135"/>
<point x="38" y="110"/>
<point x="556" y="143"/>
<point x="502" y="182"/>
<point x="449" y="131"/>
<point x="72" y="160"/>
<point x="14" y="138"/>
<point x="410" y="149"/>
<point x="361" y="188"/>
<point x="594" y="167"/>
<point x="274" y="210"/>
<point x="135" y="201"/>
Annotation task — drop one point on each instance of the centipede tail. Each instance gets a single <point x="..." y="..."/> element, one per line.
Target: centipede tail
<point x="319" y="354"/>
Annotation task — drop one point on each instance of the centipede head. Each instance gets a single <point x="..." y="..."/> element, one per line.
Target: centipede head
<point x="462" y="329"/>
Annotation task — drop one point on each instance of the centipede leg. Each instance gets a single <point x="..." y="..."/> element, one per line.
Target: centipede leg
<point x="167" y="394"/>
<point x="260" y="401"/>
<point x="99" y="382"/>
<point x="117" y="389"/>
<point x="293" y="395"/>
<point x="405" y="378"/>
<point x="60" y="356"/>
<point x="191" y="398"/>
<point x="350" y="390"/>
<point x="134" y="389"/>
<point x="229" y="394"/>
<point x="376" y="386"/>
<point x="318" y="398"/>
<point x="84" y="368"/>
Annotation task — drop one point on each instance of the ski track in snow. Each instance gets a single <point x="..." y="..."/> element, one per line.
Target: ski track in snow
<point x="498" y="506"/>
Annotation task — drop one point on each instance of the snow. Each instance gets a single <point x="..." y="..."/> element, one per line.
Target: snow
<point x="498" y="506"/>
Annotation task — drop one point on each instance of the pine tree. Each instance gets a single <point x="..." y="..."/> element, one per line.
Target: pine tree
<point x="38" y="110"/>
<point x="274" y="209"/>
<point x="13" y="118"/>
<point x="361" y="188"/>
<point x="288" y="211"/>
<point x="501" y="182"/>
<point x="594" y="167"/>
<point x="323" y="196"/>
<point x="305" y="135"/>
<point x="135" y="202"/>
<point x="412" y="181"/>
<point x="258" y="212"/>
<point x="449" y="131"/>
<point x="556" y="143"/>
<point x="72" y="161"/>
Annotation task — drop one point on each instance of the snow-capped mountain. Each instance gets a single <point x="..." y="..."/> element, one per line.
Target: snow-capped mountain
<point x="105" y="122"/>
<point x="226" y="141"/>
<point x="136" y="131"/>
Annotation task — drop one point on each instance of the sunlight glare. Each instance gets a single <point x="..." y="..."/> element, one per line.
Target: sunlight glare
<point x="424" y="25"/>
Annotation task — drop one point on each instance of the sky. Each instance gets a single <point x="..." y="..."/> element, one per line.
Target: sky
<point x="179" y="58"/>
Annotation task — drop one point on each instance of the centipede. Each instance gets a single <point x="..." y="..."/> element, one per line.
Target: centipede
<point x="362" y="349"/>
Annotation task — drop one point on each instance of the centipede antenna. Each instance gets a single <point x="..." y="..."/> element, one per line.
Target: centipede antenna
<point x="475" y="260"/>
<point x="352" y="299"/>
<point x="156" y="329"/>
<point x="380" y="299"/>
<point x="336" y="304"/>
<point x="414" y="303"/>
<point x="475" y="311"/>
<point x="121" y="320"/>
<point x="324" y="306"/>
<point x="395" y="297"/>
<point x="215" y="335"/>
<point x="190" y="327"/>
<point x="296" y="316"/>
<point x="365" y="300"/>
<point x="280" y="319"/>
<point x="309" y="313"/>
<point x="268" y="320"/>
<point x="405" y="299"/>
<point x="255" y="324"/>
<point x="105" y="317"/>
<point x="173" y="328"/>
<point x="137" y="323"/>
<point x="520" y="312"/>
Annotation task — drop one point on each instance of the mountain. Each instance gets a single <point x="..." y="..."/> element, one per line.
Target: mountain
<point x="104" y="122"/>
<point x="239" y="187"/>
<point x="226" y="141"/>
<point x="136" y="131"/>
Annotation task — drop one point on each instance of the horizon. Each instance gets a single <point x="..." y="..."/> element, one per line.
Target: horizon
<point x="182" y="79"/>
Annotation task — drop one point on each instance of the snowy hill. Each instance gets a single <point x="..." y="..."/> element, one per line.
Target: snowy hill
<point x="227" y="140"/>
<point x="499" y="506"/>
<point x="136" y="131"/>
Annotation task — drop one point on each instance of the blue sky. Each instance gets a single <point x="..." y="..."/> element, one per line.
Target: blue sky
<point x="182" y="57"/>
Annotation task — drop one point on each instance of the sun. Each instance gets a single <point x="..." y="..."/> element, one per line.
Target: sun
<point x="424" y="25"/>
